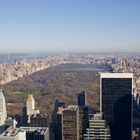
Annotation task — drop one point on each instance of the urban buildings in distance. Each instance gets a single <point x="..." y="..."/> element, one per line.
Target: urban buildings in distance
<point x="75" y="121"/>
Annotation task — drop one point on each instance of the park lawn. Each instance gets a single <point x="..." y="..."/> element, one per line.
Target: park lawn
<point x="24" y="95"/>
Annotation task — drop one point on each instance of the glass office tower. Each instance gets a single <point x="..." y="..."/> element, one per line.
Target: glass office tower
<point x="116" y="91"/>
<point x="82" y="99"/>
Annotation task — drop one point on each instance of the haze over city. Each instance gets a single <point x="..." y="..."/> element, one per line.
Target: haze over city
<point x="69" y="26"/>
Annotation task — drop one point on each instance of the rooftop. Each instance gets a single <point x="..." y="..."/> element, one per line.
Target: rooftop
<point x="116" y="75"/>
<point x="12" y="132"/>
<point x="72" y="107"/>
<point x="39" y="115"/>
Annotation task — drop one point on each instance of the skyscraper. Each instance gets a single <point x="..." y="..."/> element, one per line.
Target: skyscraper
<point x="57" y="118"/>
<point x="70" y="123"/>
<point x="83" y="114"/>
<point x="82" y="99"/>
<point x="30" y="107"/>
<point x="98" y="130"/>
<point x="116" y="103"/>
<point x="83" y="120"/>
<point x="39" y="120"/>
<point x="3" y="113"/>
<point x="30" y="104"/>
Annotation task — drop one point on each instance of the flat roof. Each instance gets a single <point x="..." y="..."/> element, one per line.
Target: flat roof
<point x="116" y="75"/>
<point x="71" y="108"/>
<point x="38" y="129"/>
<point x="12" y="132"/>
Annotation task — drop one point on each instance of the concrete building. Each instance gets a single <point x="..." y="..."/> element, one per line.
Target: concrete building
<point x="9" y="122"/>
<point x="26" y="133"/>
<point x="36" y="133"/>
<point x="98" y="130"/>
<point x="70" y="123"/>
<point x="39" y="120"/>
<point x="30" y="107"/>
<point x="3" y="112"/>
<point x="13" y="134"/>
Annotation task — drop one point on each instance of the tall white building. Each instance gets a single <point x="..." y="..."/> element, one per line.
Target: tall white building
<point x="3" y="113"/>
<point x="30" y="107"/>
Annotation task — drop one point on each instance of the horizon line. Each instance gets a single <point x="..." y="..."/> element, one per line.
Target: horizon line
<point x="68" y="52"/>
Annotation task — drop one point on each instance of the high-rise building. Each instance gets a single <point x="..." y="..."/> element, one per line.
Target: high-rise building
<point x="13" y="134"/>
<point x="30" y="107"/>
<point x="26" y="133"/>
<point x="10" y="122"/>
<point x="82" y="99"/>
<point x="83" y="114"/>
<point x="3" y="112"/>
<point x="58" y="104"/>
<point x="98" y="130"/>
<point x="116" y="103"/>
<point x="83" y="120"/>
<point x="70" y="123"/>
<point x="36" y="133"/>
<point x="39" y="120"/>
<point x="58" y="124"/>
<point x="56" y="119"/>
<point x="30" y="104"/>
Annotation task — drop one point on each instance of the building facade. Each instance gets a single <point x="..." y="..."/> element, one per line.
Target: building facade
<point x="83" y="121"/>
<point x="39" y="120"/>
<point x="70" y="123"/>
<point x="30" y="107"/>
<point x="3" y="112"/>
<point x="13" y="134"/>
<point x="82" y="99"/>
<point x="116" y="103"/>
<point x="26" y="133"/>
<point x="98" y="130"/>
<point x="83" y="114"/>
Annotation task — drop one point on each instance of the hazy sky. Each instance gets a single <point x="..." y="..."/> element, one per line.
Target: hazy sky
<point x="69" y="25"/>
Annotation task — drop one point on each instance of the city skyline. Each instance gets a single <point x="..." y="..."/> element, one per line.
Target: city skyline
<point x="69" y="26"/>
<point x="65" y="93"/>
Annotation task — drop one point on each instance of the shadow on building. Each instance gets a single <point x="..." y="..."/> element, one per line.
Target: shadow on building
<point x="122" y="121"/>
